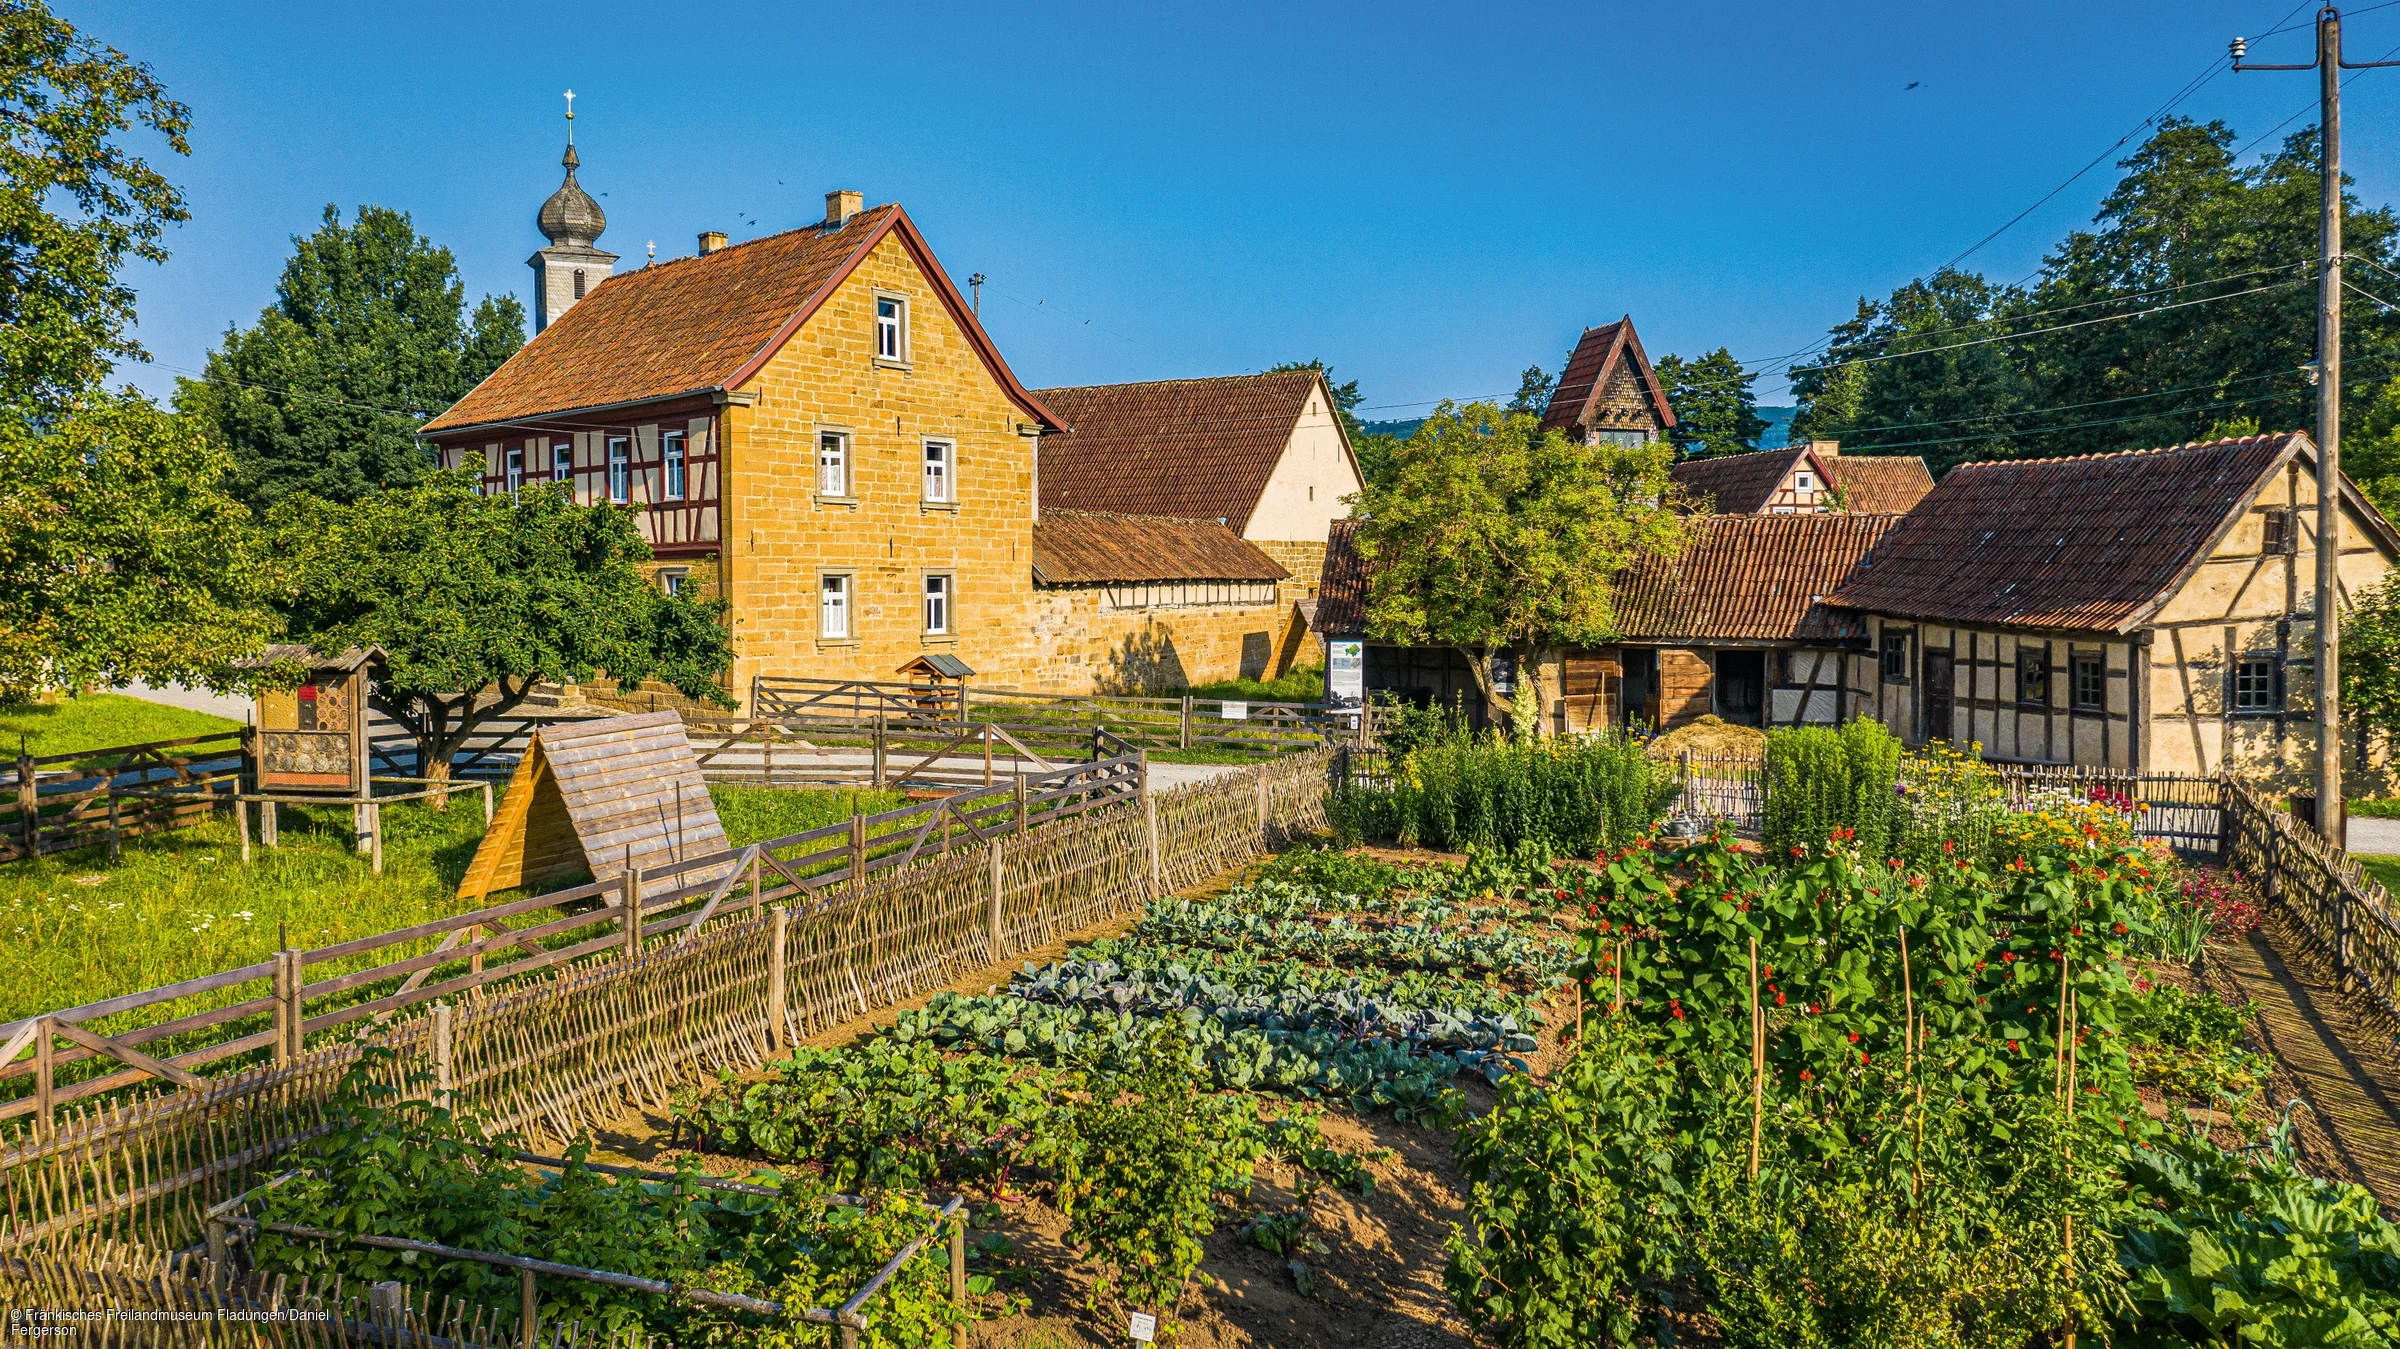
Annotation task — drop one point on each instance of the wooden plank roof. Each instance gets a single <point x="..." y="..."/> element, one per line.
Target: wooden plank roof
<point x="592" y="795"/>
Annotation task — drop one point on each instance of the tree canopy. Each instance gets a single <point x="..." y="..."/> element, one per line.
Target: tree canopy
<point x="369" y="335"/>
<point x="1494" y="536"/>
<point x="75" y="204"/>
<point x="477" y="599"/>
<point x="1716" y="410"/>
<point x="2189" y="302"/>
<point x="125" y="557"/>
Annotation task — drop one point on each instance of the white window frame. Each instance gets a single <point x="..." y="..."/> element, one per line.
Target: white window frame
<point x="837" y="606"/>
<point x="839" y="443"/>
<point x="672" y="580"/>
<point x="1802" y="482"/>
<point x="673" y="471"/>
<point x="941" y="472"/>
<point x="620" y="470"/>
<point x="891" y="328"/>
<point x="512" y="470"/>
<point x="941" y="602"/>
<point x="562" y="461"/>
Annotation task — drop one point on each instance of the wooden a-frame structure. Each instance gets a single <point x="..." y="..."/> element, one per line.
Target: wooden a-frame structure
<point x="589" y="795"/>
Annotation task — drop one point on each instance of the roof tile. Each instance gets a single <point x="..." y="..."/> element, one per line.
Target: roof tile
<point x="1092" y="547"/>
<point x="1196" y="449"/>
<point x="2089" y="543"/>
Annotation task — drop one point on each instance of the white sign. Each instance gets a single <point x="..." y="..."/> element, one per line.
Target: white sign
<point x="1145" y="1327"/>
<point x="1346" y="673"/>
<point x="1233" y="711"/>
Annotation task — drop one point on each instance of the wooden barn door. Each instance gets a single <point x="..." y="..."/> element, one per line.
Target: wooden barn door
<point x="1936" y="696"/>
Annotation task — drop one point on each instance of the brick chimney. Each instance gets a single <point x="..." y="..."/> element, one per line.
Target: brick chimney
<point x="841" y="205"/>
<point x="711" y="241"/>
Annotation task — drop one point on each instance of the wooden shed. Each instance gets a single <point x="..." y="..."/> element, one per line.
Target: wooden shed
<point x="313" y="737"/>
<point x="590" y="794"/>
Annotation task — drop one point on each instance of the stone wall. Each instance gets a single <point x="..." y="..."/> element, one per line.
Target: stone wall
<point x="1085" y="646"/>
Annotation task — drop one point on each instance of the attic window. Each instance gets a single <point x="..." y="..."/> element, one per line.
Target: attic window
<point x="2276" y="534"/>
<point x="891" y="328"/>
<point x="1802" y="481"/>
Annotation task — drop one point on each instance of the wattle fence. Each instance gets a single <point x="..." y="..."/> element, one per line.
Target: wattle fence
<point x="559" y="1054"/>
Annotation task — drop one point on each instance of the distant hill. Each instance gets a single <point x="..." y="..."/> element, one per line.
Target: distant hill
<point x="1401" y="429"/>
<point x="1779" y="427"/>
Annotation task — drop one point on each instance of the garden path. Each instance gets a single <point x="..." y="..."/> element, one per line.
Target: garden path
<point x="2339" y="1061"/>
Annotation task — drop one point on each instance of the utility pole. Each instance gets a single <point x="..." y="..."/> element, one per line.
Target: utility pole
<point x="2332" y="808"/>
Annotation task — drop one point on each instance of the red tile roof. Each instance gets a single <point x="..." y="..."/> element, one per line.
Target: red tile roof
<point x="696" y="324"/>
<point x="1091" y="547"/>
<point x="1595" y="358"/>
<point x="1197" y="449"/>
<point x="1752" y="578"/>
<point x="1879" y="484"/>
<point x="1740" y="578"/>
<point x="1739" y="484"/>
<point x="2093" y="543"/>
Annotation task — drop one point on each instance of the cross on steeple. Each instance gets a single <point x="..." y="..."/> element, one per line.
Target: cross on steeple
<point x="570" y="117"/>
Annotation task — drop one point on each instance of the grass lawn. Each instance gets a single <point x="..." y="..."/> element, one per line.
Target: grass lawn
<point x="99" y="721"/>
<point x="1305" y="684"/>
<point x="2380" y="808"/>
<point x="74" y="929"/>
<point x="2384" y="869"/>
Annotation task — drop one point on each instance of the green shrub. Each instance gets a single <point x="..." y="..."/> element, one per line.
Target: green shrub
<point x="1819" y="778"/>
<point x="1568" y="795"/>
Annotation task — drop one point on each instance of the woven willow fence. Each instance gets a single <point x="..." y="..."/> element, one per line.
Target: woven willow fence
<point x="554" y="1057"/>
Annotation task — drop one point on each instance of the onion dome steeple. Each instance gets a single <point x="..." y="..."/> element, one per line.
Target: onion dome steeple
<point x="573" y="222"/>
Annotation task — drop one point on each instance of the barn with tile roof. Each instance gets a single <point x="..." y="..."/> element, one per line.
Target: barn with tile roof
<point x="2149" y="610"/>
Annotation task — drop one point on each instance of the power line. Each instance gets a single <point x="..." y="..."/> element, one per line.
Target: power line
<point x="2070" y="426"/>
<point x="2056" y="328"/>
<point x="2070" y="407"/>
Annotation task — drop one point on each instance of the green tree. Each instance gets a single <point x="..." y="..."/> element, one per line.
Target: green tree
<point x="1495" y="536"/>
<point x="2186" y="305"/>
<point x="75" y="204"/>
<point x="368" y="336"/>
<point x="125" y="557"/>
<point x="478" y="599"/>
<point x="1533" y="392"/>
<point x="1716" y="409"/>
<point x="2371" y="660"/>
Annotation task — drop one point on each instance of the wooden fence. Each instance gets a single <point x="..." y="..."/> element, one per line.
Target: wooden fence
<point x="658" y="1004"/>
<point x="273" y="1008"/>
<point x="67" y="801"/>
<point x="1183" y="723"/>
<point x="2332" y="902"/>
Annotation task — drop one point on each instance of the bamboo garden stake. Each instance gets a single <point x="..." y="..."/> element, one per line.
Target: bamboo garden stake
<point x="1758" y="1062"/>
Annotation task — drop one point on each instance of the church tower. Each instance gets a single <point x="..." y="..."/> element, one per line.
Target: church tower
<point x="568" y="269"/>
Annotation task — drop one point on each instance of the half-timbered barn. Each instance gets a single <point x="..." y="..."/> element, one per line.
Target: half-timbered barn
<point x="1607" y="394"/>
<point x="1736" y="625"/>
<point x="2152" y="610"/>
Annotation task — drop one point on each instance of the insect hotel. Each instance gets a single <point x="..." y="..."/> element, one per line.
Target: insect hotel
<point x="308" y="745"/>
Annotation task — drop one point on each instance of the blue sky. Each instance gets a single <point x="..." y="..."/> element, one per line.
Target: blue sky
<point x="1429" y="197"/>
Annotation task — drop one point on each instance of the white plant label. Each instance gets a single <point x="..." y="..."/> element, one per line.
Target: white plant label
<point x="1144" y="1327"/>
<point x="1233" y="711"/>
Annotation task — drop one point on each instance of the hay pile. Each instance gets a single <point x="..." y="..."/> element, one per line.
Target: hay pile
<point x="1711" y="737"/>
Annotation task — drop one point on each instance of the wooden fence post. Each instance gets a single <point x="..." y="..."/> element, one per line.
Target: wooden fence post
<point x="45" y="1065"/>
<point x="858" y="849"/>
<point x="882" y="729"/>
<point x="442" y="1079"/>
<point x="375" y="835"/>
<point x="1183" y="737"/>
<point x="270" y="824"/>
<point x="779" y="923"/>
<point x="280" y="996"/>
<point x="999" y="935"/>
<point x="116" y="830"/>
<point x="241" y="824"/>
<point x="2341" y="926"/>
<point x="487" y="804"/>
<point x="29" y="806"/>
<point x="987" y="754"/>
<point x="1020" y="803"/>
<point x="630" y="902"/>
<point x="1262" y="809"/>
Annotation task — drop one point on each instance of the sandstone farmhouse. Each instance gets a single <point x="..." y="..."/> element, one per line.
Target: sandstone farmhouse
<point x="822" y="434"/>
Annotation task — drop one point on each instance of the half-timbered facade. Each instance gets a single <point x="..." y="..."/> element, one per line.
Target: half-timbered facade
<point x="2151" y="610"/>
<point x="1801" y="480"/>
<point x="816" y="429"/>
<point x="1607" y="394"/>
